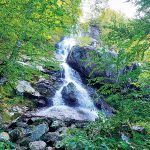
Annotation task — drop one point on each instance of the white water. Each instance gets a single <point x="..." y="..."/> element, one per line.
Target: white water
<point x="86" y="106"/>
<point x="83" y="96"/>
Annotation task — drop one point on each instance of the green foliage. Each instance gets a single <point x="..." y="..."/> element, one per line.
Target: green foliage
<point x="107" y="135"/>
<point x="32" y="28"/>
<point x="6" y="145"/>
<point x="84" y="41"/>
<point x="127" y="93"/>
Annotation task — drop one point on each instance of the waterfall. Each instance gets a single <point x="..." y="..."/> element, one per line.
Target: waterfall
<point x="84" y="99"/>
<point x="86" y="105"/>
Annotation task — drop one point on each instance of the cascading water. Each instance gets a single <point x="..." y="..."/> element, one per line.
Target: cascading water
<point x="70" y="76"/>
<point x="83" y="96"/>
<point x="85" y="110"/>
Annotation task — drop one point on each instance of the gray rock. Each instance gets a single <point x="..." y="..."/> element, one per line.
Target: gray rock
<point x="80" y="59"/>
<point x="17" y="134"/>
<point x="25" y="87"/>
<point x="2" y="80"/>
<point x="102" y="105"/>
<point x="34" y="134"/>
<point x="38" y="131"/>
<point x="94" y="32"/>
<point x="49" y="148"/>
<point x="125" y="138"/>
<point x="57" y="124"/>
<point x="1" y="122"/>
<point x="37" y="145"/>
<point x="18" y="147"/>
<point x="52" y="137"/>
<point x="69" y="94"/>
<point x="4" y="136"/>
<point x="46" y="88"/>
<point x="138" y="129"/>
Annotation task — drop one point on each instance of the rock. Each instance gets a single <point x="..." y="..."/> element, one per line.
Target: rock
<point x="52" y="137"/>
<point x="138" y="129"/>
<point x="16" y="134"/>
<point x="42" y="102"/>
<point x="87" y="68"/>
<point x="56" y="74"/>
<point x="125" y="138"/>
<point x="57" y="124"/>
<point x="17" y="109"/>
<point x="66" y="113"/>
<point x="25" y="87"/>
<point x="38" y="131"/>
<point x="34" y="133"/>
<point x="2" y="80"/>
<point x="40" y="68"/>
<point x="102" y="105"/>
<point x="37" y="145"/>
<point x="49" y="148"/>
<point x="4" y="136"/>
<point x="1" y="122"/>
<point x="69" y="94"/>
<point x="94" y="32"/>
<point x="18" y="147"/>
<point x="58" y="44"/>
<point x="46" y="88"/>
<point x="62" y="131"/>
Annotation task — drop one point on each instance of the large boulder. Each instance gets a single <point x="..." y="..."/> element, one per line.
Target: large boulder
<point x="45" y="88"/>
<point x="81" y="59"/>
<point x="69" y="94"/>
<point x="26" y="89"/>
<point x="48" y="88"/>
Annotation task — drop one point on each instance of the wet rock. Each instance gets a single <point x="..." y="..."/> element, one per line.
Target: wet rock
<point x="56" y="74"/>
<point x="69" y="94"/>
<point x="46" y="88"/>
<point x="37" y="145"/>
<point x="4" y="136"/>
<point x="66" y="113"/>
<point x="58" y="44"/>
<point x="87" y="68"/>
